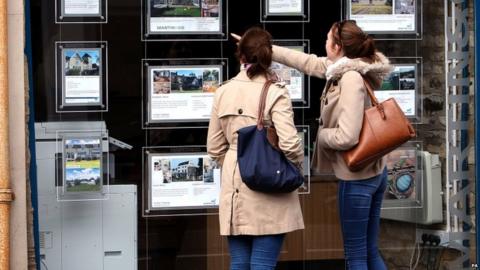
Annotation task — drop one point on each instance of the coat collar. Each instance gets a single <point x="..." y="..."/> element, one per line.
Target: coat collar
<point x="242" y="76"/>
<point x="377" y="70"/>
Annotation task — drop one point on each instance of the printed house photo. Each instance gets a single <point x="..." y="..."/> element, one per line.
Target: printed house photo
<point x="211" y="80"/>
<point x="392" y="81"/>
<point x="82" y="62"/>
<point x="210" y="8"/>
<point x="163" y="166"/>
<point x="404" y="6"/>
<point x="187" y="169"/>
<point x="187" y="81"/>
<point x="371" y="7"/>
<point x="282" y="71"/>
<point x="175" y="8"/>
<point x="407" y="84"/>
<point x="208" y="167"/>
<point x="83" y="165"/>
<point x="407" y="72"/>
<point x="401" y="165"/>
<point x="184" y="8"/>
<point x="161" y="82"/>
<point x="407" y="78"/>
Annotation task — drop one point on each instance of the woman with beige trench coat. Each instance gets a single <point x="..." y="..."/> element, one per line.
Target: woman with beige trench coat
<point x="254" y="222"/>
<point x="351" y="59"/>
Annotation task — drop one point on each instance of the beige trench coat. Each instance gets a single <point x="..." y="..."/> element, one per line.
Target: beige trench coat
<point x="343" y="102"/>
<point x="244" y="211"/>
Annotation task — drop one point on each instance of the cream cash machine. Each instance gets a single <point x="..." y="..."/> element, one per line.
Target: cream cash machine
<point x="84" y="221"/>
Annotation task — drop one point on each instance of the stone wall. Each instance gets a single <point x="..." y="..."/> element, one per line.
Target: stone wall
<point x="397" y="240"/>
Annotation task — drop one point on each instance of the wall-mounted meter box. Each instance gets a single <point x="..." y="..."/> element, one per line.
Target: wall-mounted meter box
<point x="427" y="207"/>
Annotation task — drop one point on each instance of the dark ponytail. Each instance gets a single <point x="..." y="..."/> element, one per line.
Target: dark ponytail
<point x="255" y="48"/>
<point x="354" y="42"/>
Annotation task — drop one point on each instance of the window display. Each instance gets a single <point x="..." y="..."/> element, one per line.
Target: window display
<point x="141" y="76"/>
<point x="82" y="165"/>
<point x="81" y="11"/>
<point x="285" y="10"/>
<point x="385" y="17"/>
<point x="81" y="76"/>
<point x="181" y="93"/>
<point x="78" y="7"/>
<point x="182" y="181"/>
<point x="297" y="83"/>
<point x="401" y="84"/>
<point x="82" y="159"/>
<point x="284" y="7"/>
<point x="190" y="19"/>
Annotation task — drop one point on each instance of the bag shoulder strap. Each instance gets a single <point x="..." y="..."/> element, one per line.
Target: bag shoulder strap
<point x="261" y="104"/>
<point x="369" y="88"/>
<point x="373" y="99"/>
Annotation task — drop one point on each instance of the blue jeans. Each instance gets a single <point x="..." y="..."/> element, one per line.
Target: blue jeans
<point x="251" y="252"/>
<point x="359" y="204"/>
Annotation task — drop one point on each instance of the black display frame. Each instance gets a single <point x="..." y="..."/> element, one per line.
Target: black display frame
<point x="416" y="34"/>
<point x="304" y="102"/>
<point x="149" y="35"/>
<point x="147" y="210"/>
<point x="61" y="17"/>
<point x="60" y="98"/>
<point x="301" y="17"/>
<point x="148" y="64"/>
<point x="417" y="118"/>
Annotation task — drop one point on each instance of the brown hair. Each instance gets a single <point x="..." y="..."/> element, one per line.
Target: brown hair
<point x="354" y="42"/>
<point x="255" y="48"/>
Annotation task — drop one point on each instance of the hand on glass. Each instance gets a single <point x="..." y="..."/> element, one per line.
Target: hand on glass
<point x="236" y="37"/>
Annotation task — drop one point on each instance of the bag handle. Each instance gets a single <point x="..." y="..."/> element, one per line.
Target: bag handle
<point x="261" y="104"/>
<point x="373" y="99"/>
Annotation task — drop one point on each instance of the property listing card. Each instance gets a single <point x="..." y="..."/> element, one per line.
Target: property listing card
<point x="82" y="165"/>
<point x="284" y="6"/>
<point x="182" y="93"/>
<point x="294" y="80"/>
<point x="401" y="84"/>
<point x="384" y="16"/>
<point x="82" y="76"/>
<point x="183" y="181"/>
<point x="185" y="17"/>
<point x="81" y="7"/>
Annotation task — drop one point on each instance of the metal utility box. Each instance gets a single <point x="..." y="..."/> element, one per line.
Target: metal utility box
<point x="82" y="234"/>
<point x="430" y="209"/>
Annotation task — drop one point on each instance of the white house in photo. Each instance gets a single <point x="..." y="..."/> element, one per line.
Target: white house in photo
<point x="82" y="63"/>
<point x="187" y="170"/>
<point x="405" y="6"/>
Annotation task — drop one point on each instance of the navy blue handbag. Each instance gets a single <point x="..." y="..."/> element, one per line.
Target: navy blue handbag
<point x="263" y="166"/>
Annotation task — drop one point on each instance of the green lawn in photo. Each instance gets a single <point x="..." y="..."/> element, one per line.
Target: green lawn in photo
<point x="386" y="85"/>
<point x="181" y="12"/>
<point x="83" y="188"/>
<point x="368" y="9"/>
<point x="84" y="164"/>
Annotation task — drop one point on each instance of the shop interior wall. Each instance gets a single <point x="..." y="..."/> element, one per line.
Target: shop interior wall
<point x="123" y="119"/>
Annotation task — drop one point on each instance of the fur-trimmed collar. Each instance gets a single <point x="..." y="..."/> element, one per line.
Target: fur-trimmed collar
<point x="378" y="69"/>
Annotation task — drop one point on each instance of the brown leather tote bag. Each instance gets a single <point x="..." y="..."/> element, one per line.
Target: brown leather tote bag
<point x="384" y="128"/>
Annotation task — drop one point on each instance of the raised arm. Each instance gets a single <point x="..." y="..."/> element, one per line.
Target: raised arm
<point x="307" y="63"/>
